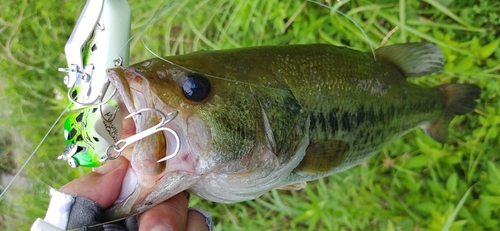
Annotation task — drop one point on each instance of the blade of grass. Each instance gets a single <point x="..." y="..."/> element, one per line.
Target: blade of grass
<point x="453" y="216"/>
<point x="402" y="19"/>
<point x="424" y="36"/>
<point x="446" y="11"/>
<point x="425" y="22"/>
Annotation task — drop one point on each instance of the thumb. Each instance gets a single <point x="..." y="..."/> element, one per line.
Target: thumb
<point x="102" y="186"/>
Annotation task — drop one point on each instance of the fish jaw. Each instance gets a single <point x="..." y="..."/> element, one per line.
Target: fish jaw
<point x="150" y="182"/>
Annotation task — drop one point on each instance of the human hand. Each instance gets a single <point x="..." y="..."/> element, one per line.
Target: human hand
<point x="106" y="182"/>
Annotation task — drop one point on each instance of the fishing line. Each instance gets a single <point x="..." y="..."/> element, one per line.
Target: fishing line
<point x="104" y="223"/>
<point x="352" y="20"/>
<point x="185" y="68"/>
<point x="34" y="151"/>
<point x="124" y="46"/>
<point x="232" y="80"/>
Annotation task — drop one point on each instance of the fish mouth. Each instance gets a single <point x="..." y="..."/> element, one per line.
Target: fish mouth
<point x="149" y="182"/>
<point x="144" y="142"/>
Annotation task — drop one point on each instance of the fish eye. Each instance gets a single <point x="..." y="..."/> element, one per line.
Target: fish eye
<point x="196" y="87"/>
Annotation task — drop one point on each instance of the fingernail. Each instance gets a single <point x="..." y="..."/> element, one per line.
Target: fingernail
<point x="107" y="167"/>
<point x="161" y="228"/>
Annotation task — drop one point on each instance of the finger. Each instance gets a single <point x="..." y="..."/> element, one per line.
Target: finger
<point x="196" y="221"/>
<point x="169" y="215"/>
<point x="102" y="186"/>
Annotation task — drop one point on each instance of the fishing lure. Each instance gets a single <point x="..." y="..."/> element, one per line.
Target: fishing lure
<point x="99" y="41"/>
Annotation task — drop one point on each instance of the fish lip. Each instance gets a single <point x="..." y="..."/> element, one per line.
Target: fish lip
<point x="119" y="84"/>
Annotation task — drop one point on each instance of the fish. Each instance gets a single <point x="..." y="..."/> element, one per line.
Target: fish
<point x="254" y="119"/>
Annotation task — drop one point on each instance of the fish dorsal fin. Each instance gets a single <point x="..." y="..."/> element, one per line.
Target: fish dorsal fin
<point x="414" y="59"/>
<point x="323" y="157"/>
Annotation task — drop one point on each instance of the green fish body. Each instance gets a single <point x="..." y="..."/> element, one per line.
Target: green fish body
<point x="254" y="119"/>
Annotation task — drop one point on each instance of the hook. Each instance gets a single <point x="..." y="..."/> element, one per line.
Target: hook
<point x="99" y="98"/>
<point x="124" y="143"/>
<point x="177" y="148"/>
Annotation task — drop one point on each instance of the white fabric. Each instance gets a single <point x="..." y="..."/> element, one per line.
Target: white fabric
<point x="41" y="225"/>
<point x="59" y="208"/>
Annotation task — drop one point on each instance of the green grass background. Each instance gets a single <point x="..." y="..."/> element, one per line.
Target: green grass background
<point x="413" y="184"/>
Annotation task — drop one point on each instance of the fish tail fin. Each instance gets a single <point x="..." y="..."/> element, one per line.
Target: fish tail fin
<point x="458" y="99"/>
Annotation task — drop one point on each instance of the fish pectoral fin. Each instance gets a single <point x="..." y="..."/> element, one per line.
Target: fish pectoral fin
<point x="459" y="99"/>
<point x="323" y="157"/>
<point x="414" y="59"/>
<point x="294" y="186"/>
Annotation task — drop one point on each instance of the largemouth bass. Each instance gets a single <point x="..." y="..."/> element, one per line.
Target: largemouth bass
<point x="254" y="119"/>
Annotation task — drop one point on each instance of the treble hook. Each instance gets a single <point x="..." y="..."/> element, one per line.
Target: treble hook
<point x="124" y="143"/>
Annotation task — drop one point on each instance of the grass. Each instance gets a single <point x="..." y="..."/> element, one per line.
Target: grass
<point x="413" y="184"/>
